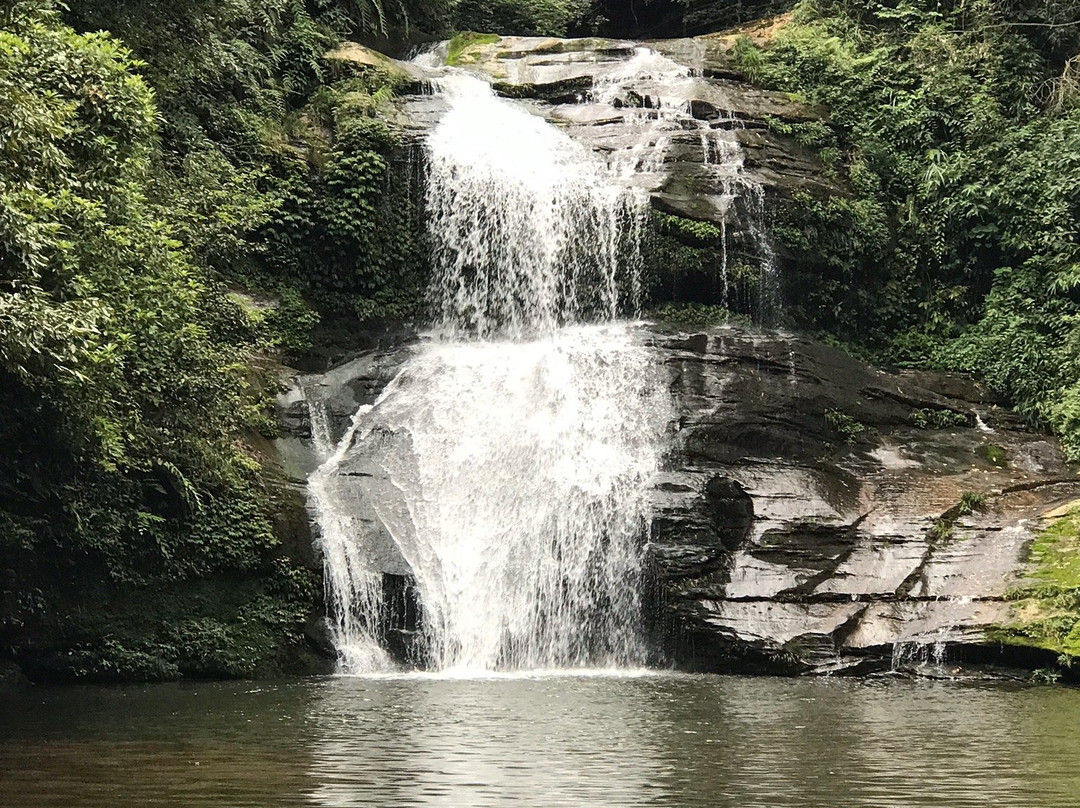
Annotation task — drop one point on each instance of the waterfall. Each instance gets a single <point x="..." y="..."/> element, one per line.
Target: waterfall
<point x="530" y="229"/>
<point x="658" y="93"/>
<point x="507" y="466"/>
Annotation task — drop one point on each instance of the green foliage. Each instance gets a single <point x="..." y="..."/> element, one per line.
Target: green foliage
<point x="522" y="17"/>
<point x="664" y="18"/>
<point x="694" y="314"/>
<point x="348" y="235"/>
<point x="957" y="248"/>
<point x="394" y="19"/>
<point x="927" y="418"/>
<point x="813" y="134"/>
<point x="289" y="324"/>
<point x="844" y="425"/>
<point x="1045" y="676"/>
<point x="971" y="502"/>
<point x="205" y="631"/>
<point x="124" y="382"/>
<point x="940" y="532"/>
<point x="749" y="58"/>
<point x="689" y="262"/>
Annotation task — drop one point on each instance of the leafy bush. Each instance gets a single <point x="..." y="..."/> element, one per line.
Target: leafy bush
<point x="124" y="383"/>
<point x="956" y="249"/>
<point x="927" y="418"/>
<point x="971" y="502"/>
<point x="844" y="425"/>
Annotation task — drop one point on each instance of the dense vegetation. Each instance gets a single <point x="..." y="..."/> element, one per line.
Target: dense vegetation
<point x="125" y="387"/>
<point x="957" y="127"/>
<point x="674" y="18"/>
<point x="141" y="524"/>
<point x="185" y="199"/>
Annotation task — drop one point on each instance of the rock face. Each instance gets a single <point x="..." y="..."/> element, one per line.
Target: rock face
<point x="816" y="515"/>
<point x="631" y="101"/>
<point x="821" y="516"/>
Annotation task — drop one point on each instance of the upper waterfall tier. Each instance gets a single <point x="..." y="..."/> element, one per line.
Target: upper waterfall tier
<point x="640" y="128"/>
<point x="530" y="229"/>
<point x="616" y="97"/>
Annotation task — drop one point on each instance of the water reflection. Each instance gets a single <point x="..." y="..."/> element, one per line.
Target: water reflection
<point x="177" y="745"/>
<point x="801" y="744"/>
<point x="679" y="741"/>
<point x="528" y="742"/>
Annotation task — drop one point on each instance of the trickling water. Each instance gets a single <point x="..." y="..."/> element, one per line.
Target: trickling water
<point x="657" y="93"/>
<point x="652" y="90"/>
<point x="353" y="584"/>
<point x="508" y="464"/>
<point x="930" y="649"/>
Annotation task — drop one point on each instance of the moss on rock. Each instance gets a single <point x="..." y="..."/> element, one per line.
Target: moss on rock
<point x="1047" y="607"/>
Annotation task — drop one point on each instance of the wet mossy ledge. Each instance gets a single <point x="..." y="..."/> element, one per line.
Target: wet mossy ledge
<point x="1046" y="605"/>
<point x="462" y="49"/>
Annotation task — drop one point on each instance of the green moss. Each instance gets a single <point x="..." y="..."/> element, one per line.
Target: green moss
<point x="1055" y="553"/>
<point x="460" y="45"/>
<point x="1048" y="609"/>
<point x="994" y="455"/>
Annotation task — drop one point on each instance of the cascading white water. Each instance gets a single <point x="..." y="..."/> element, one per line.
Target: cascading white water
<point x="530" y="229"/>
<point x="509" y="460"/>
<point x="353" y="583"/>
<point x="668" y="88"/>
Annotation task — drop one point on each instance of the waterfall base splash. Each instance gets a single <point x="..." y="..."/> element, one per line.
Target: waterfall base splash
<point x="511" y="478"/>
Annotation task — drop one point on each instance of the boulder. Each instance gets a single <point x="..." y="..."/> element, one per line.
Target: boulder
<point x="858" y="557"/>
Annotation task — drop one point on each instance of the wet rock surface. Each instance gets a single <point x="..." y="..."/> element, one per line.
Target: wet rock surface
<point x="888" y="519"/>
<point x="816" y="515"/>
<point x="570" y="82"/>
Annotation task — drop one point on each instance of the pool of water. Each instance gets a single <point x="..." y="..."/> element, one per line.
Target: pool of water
<point x="663" y="740"/>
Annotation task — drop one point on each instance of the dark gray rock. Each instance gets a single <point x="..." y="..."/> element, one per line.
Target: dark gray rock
<point x="805" y="523"/>
<point x="857" y="558"/>
<point x="339" y="393"/>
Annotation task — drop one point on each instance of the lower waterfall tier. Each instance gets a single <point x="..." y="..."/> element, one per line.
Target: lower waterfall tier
<point x="810" y="518"/>
<point x="509" y="481"/>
